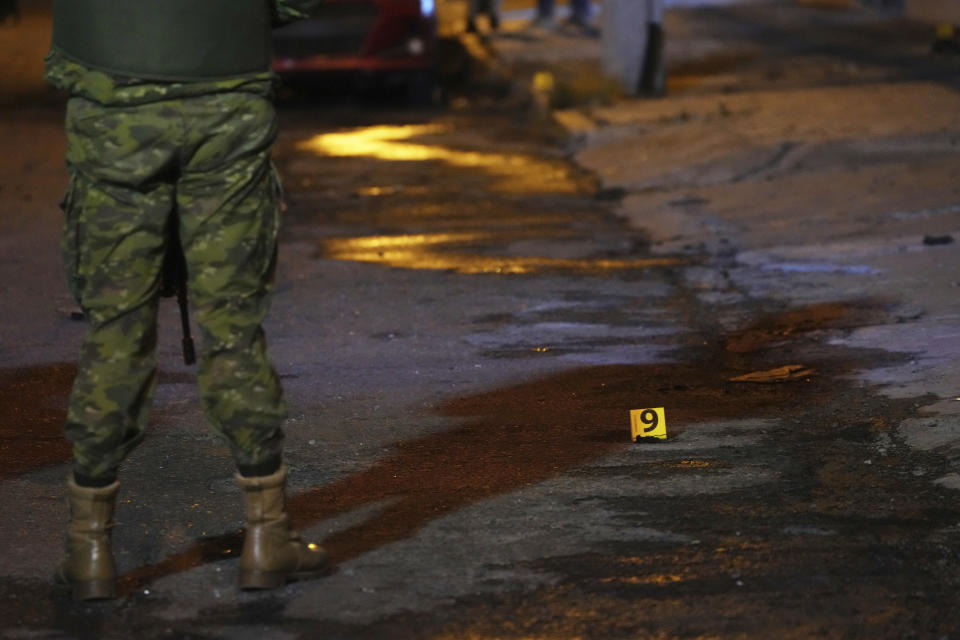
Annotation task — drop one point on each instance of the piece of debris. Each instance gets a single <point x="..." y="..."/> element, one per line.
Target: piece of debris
<point x="931" y="241"/>
<point x="905" y="313"/>
<point x="786" y="372"/>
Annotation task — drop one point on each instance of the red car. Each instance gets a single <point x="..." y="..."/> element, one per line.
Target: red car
<point x="383" y="37"/>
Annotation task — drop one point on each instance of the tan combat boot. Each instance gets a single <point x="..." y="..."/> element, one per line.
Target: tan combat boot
<point x="88" y="566"/>
<point x="273" y="553"/>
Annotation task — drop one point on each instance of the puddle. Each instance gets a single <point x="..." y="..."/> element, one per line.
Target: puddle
<point x="563" y="335"/>
<point x="440" y="252"/>
<point x="821" y="267"/>
<point x="435" y="197"/>
<point x="514" y="172"/>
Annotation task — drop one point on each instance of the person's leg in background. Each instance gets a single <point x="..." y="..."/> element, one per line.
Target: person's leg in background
<point x="473" y="9"/>
<point x="580" y="20"/>
<point x="492" y="8"/>
<point x="544" y="15"/>
<point x="580" y="11"/>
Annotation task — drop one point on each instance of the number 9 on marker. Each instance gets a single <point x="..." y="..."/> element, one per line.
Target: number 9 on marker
<point x="648" y="423"/>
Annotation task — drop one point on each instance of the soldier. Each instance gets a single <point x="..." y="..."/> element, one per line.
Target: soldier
<point x="170" y="118"/>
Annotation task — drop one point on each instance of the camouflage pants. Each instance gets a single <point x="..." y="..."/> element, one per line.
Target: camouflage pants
<point x="131" y="167"/>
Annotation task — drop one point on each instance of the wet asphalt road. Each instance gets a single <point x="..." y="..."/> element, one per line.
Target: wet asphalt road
<point x="463" y="326"/>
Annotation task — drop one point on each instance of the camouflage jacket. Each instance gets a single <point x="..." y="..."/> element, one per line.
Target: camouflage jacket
<point x="110" y="89"/>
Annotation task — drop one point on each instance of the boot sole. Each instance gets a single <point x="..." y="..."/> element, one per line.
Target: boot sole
<point x="257" y="580"/>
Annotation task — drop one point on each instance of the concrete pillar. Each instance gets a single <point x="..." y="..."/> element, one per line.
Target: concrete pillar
<point x="633" y="44"/>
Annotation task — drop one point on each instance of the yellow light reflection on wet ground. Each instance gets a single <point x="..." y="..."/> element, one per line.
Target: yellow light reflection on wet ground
<point x="649" y="577"/>
<point x="518" y="173"/>
<point x="570" y="616"/>
<point x="385" y="142"/>
<point x="695" y="464"/>
<point x="382" y="243"/>
<point x="655" y="578"/>
<point x="462" y="197"/>
<point x="438" y="252"/>
<point x="378" y="191"/>
<point x="486" y="636"/>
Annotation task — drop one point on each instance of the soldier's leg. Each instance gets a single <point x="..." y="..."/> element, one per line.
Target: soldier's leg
<point x="473" y="9"/>
<point x="115" y="213"/>
<point x="113" y="248"/>
<point x="580" y="10"/>
<point x="228" y="203"/>
<point x="544" y="9"/>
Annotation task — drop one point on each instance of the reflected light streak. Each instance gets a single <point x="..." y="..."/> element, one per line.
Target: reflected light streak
<point x="378" y="191"/>
<point x="389" y="142"/>
<point x="695" y="464"/>
<point x="412" y="240"/>
<point x="424" y="251"/>
<point x="653" y="578"/>
<point x="383" y="141"/>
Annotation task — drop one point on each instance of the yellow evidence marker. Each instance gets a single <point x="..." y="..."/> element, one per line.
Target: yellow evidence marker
<point x="648" y="423"/>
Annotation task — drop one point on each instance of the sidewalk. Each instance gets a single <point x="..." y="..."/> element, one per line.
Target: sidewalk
<point x="802" y="161"/>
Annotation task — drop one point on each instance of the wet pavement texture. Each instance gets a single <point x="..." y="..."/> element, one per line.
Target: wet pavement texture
<point x="463" y="323"/>
<point x="462" y="341"/>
